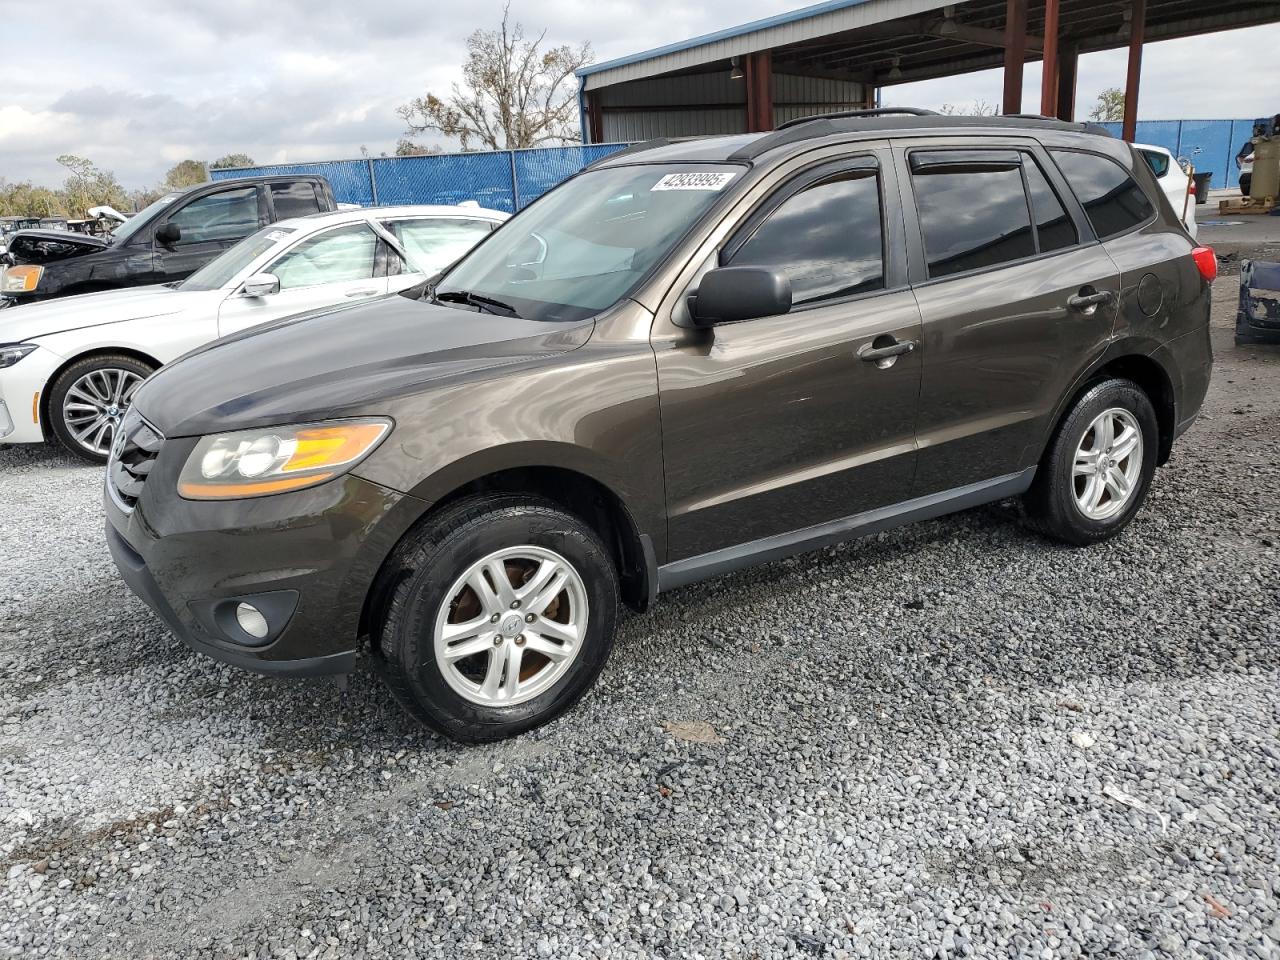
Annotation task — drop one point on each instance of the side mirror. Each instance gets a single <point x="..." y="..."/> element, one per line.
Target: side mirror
<point x="169" y="233"/>
<point x="261" y="285"/>
<point x="729" y="294"/>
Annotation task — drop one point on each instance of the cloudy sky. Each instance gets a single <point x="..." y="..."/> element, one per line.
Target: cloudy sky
<point x="138" y="86"/>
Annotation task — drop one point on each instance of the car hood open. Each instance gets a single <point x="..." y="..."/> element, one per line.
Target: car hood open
<point x="334" y="363"/>
<point x="47" y="246"/>
<point x="34" y="320"/>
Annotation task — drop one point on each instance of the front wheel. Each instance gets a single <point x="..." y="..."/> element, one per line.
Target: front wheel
<point x="502" y="616"/>
<point x="1099" y="465"/>
<point x="88" y="400"/>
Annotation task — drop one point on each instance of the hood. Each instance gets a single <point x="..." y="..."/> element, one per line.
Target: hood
<point x="33" y="320"/>
<point x="336" y="363"/>
<point x="46" y="246"/>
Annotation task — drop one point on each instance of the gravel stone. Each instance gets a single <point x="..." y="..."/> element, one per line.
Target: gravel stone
<point x="894" y="769"/>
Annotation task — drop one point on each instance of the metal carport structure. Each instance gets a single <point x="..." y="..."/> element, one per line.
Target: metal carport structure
<point x="837" y="54"/>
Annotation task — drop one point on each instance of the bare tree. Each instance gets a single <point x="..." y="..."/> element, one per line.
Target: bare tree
<point x="974" y="108"/>
<point x="514" y="94"/>
<point x="1110" y="105"/>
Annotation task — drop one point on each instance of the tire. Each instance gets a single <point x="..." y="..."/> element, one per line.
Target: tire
<point x="90" y="382"/>
<point x="425" y="594"/>
<point x="1057" y="505"/>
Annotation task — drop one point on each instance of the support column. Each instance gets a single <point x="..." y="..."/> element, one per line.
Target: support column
<point x="1068" y="61"/>
<point x="1015" y="53"/>
<point x="1049" y="80"/>
<point x="758" y="70"/>
<point x="595" y="116"/>
<point x="1137" y="36"/>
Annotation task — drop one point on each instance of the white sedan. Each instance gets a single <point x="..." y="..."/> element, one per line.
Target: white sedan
<point x="69" y="367"/>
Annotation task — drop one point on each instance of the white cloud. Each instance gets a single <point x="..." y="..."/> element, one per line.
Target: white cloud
<point x="137" y="86"/>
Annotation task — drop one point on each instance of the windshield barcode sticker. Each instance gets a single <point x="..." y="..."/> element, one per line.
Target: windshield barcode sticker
<point x="693" y="181"/>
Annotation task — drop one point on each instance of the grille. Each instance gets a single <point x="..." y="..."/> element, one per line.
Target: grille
<point x="133" y="454"/>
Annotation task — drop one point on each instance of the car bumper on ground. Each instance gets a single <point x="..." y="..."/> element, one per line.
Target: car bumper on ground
<point x="303" y="561"/>
<point x="21" y="386"/>
<point x="1258" y="319"/>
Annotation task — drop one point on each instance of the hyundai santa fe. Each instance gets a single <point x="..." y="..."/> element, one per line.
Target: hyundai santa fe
<point x="689" y="358"/>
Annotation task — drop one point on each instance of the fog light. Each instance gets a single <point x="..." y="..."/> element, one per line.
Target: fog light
<point x="252" y="621"/>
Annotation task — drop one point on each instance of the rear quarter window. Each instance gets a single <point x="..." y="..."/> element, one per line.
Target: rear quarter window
<point x="297" y="199"/>
<point x="1112" y="199"/>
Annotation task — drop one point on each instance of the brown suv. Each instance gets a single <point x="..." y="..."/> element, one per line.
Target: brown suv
<point x="689" y="358"/>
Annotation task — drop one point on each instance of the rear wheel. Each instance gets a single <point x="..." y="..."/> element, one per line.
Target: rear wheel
<point x="501" y="617"/>
<point x="1098" y="469"/>
<point x="88" y="400"/>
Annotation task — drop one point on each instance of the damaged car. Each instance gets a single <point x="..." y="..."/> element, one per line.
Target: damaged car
<point x="165" y="242"/>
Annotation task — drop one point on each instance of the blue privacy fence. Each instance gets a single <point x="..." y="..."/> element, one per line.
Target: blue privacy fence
<point x="1210" y="144"/>
<point x="511" y="179"/>
<point x="504" y="180"/>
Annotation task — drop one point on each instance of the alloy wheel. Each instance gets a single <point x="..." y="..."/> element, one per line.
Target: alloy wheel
<point x="95" y="404"/>
<point x="1108" y="464"/>
<point x="511" y="626"/>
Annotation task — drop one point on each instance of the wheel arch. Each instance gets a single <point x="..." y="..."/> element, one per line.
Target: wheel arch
<point x="130" y="352"/>
<point x="575" y="491"/>
<point x="1132" y="360"/>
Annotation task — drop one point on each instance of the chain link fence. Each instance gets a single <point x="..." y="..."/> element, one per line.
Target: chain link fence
<point x="504" y="180"/>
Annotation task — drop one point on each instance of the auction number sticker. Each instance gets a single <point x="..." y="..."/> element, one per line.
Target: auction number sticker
<point x="693" y="181"/>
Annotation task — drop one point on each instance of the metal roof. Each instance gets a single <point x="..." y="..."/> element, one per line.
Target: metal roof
<point x="806" y="23"/>
<point x="862" y="39"/>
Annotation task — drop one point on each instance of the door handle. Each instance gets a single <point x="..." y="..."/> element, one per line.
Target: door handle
<point x="366" y="292"/>
<point x="1088" y="302"/>
<point x="886" y="355"/>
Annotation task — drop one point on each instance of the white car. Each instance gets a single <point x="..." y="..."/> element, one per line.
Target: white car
<point x="68" y="367"/>
<point x="1177" y="186"/>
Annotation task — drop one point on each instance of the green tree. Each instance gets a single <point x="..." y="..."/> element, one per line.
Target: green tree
<point x="186" y="173"/>
<point x="86" y="186"/>
<point x="232" y="160"/>
<point x="407" y="148"/>
<point x="514" y="93"/>
<point x="1110" y="105"/>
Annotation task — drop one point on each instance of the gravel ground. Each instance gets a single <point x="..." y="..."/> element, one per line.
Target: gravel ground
<point x="954" y="739"/>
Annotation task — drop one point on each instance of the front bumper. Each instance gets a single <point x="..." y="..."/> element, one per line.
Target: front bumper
<point x="318" y="549"/>
<point x="20" y="388"/>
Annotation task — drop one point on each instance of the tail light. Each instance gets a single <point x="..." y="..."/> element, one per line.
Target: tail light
<point x="1206" y="262"/>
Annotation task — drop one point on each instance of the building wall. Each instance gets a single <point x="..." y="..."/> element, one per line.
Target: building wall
<point x="708" y="104"/>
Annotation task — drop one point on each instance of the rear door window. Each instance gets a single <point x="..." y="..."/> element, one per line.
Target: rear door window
<point x="227" y="215"/>
<point x="1054" y="229"/>
<point x="1111" y="198"/>
<point x="827" y="238"/>
<point x="973" y="209"/>
<point x="432" y="244"/>
<point x="297" y="199"/>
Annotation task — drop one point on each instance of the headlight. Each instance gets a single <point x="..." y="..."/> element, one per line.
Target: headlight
<point x="20" y="279"/>
<point x="13" y="352"/>
<point x="254" y="463"/>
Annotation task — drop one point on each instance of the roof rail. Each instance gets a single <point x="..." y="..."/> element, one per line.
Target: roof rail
<point x="873" y="112"/>
<point x="1086" y="126"/>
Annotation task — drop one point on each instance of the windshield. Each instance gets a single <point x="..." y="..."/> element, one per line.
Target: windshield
<point x="131" y="226"/>
<point x="219" y="272"/>
<point x="587" y="244"/>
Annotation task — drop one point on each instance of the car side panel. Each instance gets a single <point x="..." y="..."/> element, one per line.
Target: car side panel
<point x="593" y="410"/>
<point x="1000" y="348"/>
<point x="162" y="338"/>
